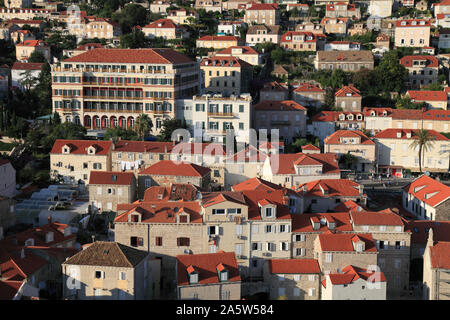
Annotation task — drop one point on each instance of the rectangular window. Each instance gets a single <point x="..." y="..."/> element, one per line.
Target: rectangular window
<point x="183" y="242"/>
<point x="122" y="275"/>
<point x="158" y="241"/>
<point x="328" y="257"/>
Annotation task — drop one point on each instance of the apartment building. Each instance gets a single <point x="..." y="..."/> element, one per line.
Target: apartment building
<point x="335" y="25"/>
<point x="182" y="16"/>
<point x="378" y="119"/>
<point x="133" y="155"/>
<point x="309" y="95"/>
<point x="393" y="243"/>
<point x="213" y="115"/>
<point x="302" y="41"/>
<point x="427" y="199"/>
<point x="394" y="147"/>
<point x="325" y="123"/>
<point x="209" y="276"/>
<point x="307" y="26"/>
<point x="350" y="61"/>
<point x="292" y="170"/>
<point x="163" y="228"/>
<point x="433" y="99"/>
<point x="293" y="279"/>
<point x="210" y="155"/>
<point x="306" y="228"/>
<point x="108" y="188"/>
<point x="274" y="91"/>
<point x="325" y="195"/>
<point x="111" y="271"/>
<point x="26" y="48"/>
<point x="25" y="13"/>
<point x="72" y="160"/>
<point x="230" y="28"/>
<point x="412" y="33"/>
<point x="104" y="88"/>
<point x="287" y="116"/>
<point x="348" y="98"/>
<point x="342" y="9"/>
<point x="335" y="251"/>
<point x="209" y="5"/>
<point x="93" y="27"/>
<point x="166" y="172"/>
<point x="351" y="284"/>
<point x="166" y="29"/>
<point x="226" y="75"/>
<point x="354" y="142"/>
<point x="245" y="53"/>
<point x="262" y="13"/>
<point x="262" y="33"/>
<point x="422" y="70"/>
<point x="160" y="6"/>
<point x="436" y="269"/>
<point x="442" y="7"/>
<point x="218" y="42"/>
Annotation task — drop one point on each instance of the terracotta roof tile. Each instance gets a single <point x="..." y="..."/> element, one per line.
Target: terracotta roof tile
<point x="333" y="187"/>
<point x="286" y="105"/>
<point x="206" y="266"/>
<point x="111" y="178"/>
<point x="427" y="95"/>
<point x="346" y="91"/>
<point x="81" y="146"/>
<point x="342" y="242"/>
<point x="393" y="134"/>
<point x="428" y="190"/>
<point x="439" y="255"/>
<point x="431" y="61"/>
<point x="293" y="266"/>
<point x="302" y="222"/>
<point x="174" y="168"/>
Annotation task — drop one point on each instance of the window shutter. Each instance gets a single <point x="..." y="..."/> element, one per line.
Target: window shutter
<point x="402" y="243"/>
<point x="259" y="246"/>
<point x="220" y="231"/>
<point x="302" y="251"/>
<point x="281" y="246"/>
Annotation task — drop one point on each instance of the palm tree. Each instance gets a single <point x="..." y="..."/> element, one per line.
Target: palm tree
<point x="143" y="125"/>
<point x="424" y="141"/>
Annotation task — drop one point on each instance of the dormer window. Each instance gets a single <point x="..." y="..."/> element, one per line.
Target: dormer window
<point x="372" y="113"/>
<point x="222" y="272"/>
<point x="192" y="274"/>
<point x="49" y="237"/>
<point x="268" y="213"/>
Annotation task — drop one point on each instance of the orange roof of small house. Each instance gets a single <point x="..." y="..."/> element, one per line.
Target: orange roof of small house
<point x="293" y="266"/>
<point x="333" y="188"/>
<point x="206" y="265"/>
<point x="404" y="133"/>
<point x="111" y="178"/>
<point x="302" y="222"/>
<point x="285" y="105"/>
<point x="342" y="242"/>
<point x="439" y="255"/>
<point x="284" y="163"/>
<point x="346" y="91"/>
<point x="175" y="168"/>
<point x="428" y="190"/>
<point x="81" y="146"/>
<point x="335" y="138"/>
<point x="427" y="95"/>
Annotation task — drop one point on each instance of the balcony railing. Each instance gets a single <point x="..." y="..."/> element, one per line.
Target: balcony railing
<point x="112" y="98"/>
<point x="221" y="114"/>
<point x="109" y="70"/>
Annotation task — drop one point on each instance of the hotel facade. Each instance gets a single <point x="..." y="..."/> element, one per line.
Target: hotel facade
<point x="105" y="88"/>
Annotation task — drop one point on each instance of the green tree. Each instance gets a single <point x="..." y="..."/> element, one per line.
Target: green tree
<point x="122" y="133"/>
<point x="66" y="130"/>
<point x="169" y="126"/>
<point x="423" y="142"/>
<point x="28" y="80"/>
<point x="131" y="15"/>
<point x="390" y="74"/>
<point x="37" y="57"/>
<point x="133" y="40"/>
<point x="143" y="125"/>
<point x="348" y="160"/>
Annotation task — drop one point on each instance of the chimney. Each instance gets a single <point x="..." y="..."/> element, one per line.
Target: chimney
<point x="430" y="241"/>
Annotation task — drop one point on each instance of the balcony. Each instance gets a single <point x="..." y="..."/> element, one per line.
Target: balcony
<point x="112" y="98"/>
<point x="221" y="114"/>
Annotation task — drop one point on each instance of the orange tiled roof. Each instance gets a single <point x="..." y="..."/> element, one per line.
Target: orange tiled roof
<point x="174" y="168"/>
<point x="392" y="134"/>
<point x="410" y="23"/>
<point x="439" y="255"/>
<point x="334" y="188"/>
<point x="428" y="190"/>
<point x="431" y="61"/>
<point x="143" y="146"/>
<point x="298" y="33"/>
<point x="81" y="146"/>
<point x="419" y="230"/>
<point x="287" y="162"/>
<point x="376" y="218"/>
<point x="277" y="197"/>
<point x="293" y="266"/>
<point x="174" y="192"/>
<point x="213" y="198"/>
<point x="302" y="222"/>
<point x="245" y="50"/>
<point x="307" y="87"/>
<point x="218" y="38"/>
<point x="310" y="147"/>
<point x="159" y="56"/>
<point x="162" y="24"/>
<point x="332" y="116"/>
<point x="342" y="242"/>
<point x="351" y="273"/>
<point x="348" y="90"/>
<point x="335" y="137"/>
<point x="206" y="266"/>
<point x="263" y="6"/>
<point x="427" y="95"/>
<point x="286" y="105"/>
